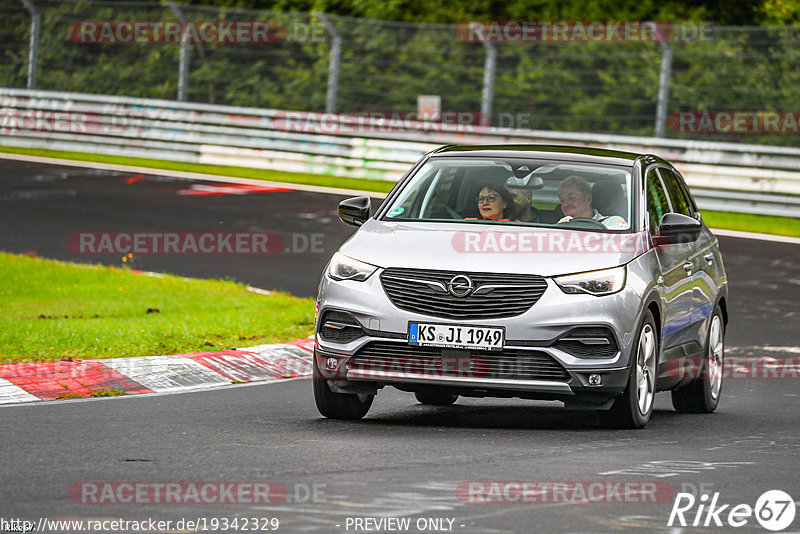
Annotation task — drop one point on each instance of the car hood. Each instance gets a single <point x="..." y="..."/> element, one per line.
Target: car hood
<point x="494" y="248"/>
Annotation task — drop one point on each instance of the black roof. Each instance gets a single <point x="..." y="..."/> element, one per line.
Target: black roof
<point x="557" y="152"/>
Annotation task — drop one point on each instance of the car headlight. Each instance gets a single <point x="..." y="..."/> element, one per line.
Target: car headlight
<point x="345" y="268"/>
<point x="598" y="283"/>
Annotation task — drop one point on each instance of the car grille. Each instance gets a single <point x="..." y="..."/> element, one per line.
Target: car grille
<point x="407" y="290"/>
<point x="589" y="342"/>
<point x="510" y="364"/>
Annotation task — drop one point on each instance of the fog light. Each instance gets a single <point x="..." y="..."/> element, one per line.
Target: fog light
<point x="331" y="364"/>
<point x="594" y="380"/>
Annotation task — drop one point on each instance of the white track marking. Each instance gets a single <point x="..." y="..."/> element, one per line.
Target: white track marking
<point x="12" y="393"/>
<point x="191" y="175"/>
<point x="166" y="373"/>
<point x="752" y="235"/>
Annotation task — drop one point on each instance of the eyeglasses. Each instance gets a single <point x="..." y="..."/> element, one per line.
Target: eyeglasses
<point x="487" y="198"/>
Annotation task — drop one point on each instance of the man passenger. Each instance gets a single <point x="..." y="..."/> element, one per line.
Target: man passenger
<point x="575" y="195"/>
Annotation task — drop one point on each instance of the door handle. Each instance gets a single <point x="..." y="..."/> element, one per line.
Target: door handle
<point x="709" y="258"/>
<point x="688" y="266"/>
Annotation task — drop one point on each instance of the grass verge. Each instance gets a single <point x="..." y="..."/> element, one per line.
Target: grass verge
<point x="51" y="310"/>
<point x="766" y="224"/>
<point x="746" y="222"/>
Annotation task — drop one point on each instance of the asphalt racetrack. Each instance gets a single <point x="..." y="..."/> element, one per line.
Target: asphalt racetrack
<point x="432" y="466"/>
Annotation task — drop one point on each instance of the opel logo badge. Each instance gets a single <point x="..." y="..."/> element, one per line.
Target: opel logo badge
<point x="460" y="286"/>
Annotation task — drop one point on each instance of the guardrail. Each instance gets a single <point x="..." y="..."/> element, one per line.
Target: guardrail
<point x="732" y="177"/>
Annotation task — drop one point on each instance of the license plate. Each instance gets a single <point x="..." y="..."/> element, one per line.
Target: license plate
<point x="455" y="336"/>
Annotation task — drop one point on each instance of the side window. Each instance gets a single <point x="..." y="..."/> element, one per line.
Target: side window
<point x="657" y="204"/>
<point x="680" y="204"/>
<point x="436" y="204"/>
<point x="409" y="202"/>
<point x="686" y="192"/>
<point x="407" y="205"/>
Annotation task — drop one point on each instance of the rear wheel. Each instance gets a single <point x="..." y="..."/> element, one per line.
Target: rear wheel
<point x="338" y="405"/>
<point x="633" y="408"/>
<point x="702" y="394"/>
<point x="433" y="398"/>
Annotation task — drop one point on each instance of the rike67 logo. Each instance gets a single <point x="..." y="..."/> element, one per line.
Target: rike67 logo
<point x="774" y="510"/>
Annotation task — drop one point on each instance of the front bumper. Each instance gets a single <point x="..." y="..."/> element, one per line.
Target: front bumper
<point x="553" y="316"/>
<point x="347" y="373"/>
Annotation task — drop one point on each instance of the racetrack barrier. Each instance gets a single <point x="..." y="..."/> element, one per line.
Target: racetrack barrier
<point x="727" y="176"/>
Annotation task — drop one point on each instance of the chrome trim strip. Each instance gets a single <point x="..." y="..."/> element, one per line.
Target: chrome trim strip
<point x="338" y="326"/>
<point x="486" y="288"/>
<point x="431" y="283"/>
<point x="542" y="386"/>
<point x="588" y="340"/>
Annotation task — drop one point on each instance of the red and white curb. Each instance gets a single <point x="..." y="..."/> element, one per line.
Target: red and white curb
<point x="27" y="382"/>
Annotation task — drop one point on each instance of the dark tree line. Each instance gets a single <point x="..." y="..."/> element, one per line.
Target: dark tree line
<point x="722" y="12"/>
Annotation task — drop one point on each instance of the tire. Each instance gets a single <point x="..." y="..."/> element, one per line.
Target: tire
<point x="702" y="394"/>
<point x="432" y="398"/>
<point x="338" y="405"/>
<point x="634" y="407"/>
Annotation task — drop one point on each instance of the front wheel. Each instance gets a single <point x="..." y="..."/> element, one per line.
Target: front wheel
<point x="338" y="405"/>
<point x="702" y="394"/>
<point x="634" y="407"/>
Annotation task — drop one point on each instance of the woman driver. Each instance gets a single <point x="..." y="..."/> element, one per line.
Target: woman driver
<point x="496" y="203"/>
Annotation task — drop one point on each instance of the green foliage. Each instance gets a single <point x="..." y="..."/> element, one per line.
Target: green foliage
<point x="726" y="12"/>
<point x="781" y="12"/>
<point x="14" y="36"/>
<point x="601" y="87"/>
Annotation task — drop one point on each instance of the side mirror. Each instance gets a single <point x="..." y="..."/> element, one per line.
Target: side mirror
<point x="355" y="210"/>
<point x="679" y="228"/>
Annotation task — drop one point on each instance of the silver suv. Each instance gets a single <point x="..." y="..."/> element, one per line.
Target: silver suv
<point x="580" y="275"/>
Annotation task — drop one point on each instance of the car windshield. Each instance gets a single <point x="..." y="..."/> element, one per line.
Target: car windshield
<point x="517" y="192"/>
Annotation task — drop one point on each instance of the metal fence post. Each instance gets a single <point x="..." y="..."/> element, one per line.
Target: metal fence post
<point x="663" y="88"/>
<point x="183" y="64"/>
<point x="487" y="94"/>
<point x="333" y="62"/>
<point x="33" y="52"/>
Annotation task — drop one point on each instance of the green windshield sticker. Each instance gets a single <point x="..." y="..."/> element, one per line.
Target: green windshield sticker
<point x="394" y="212"/>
